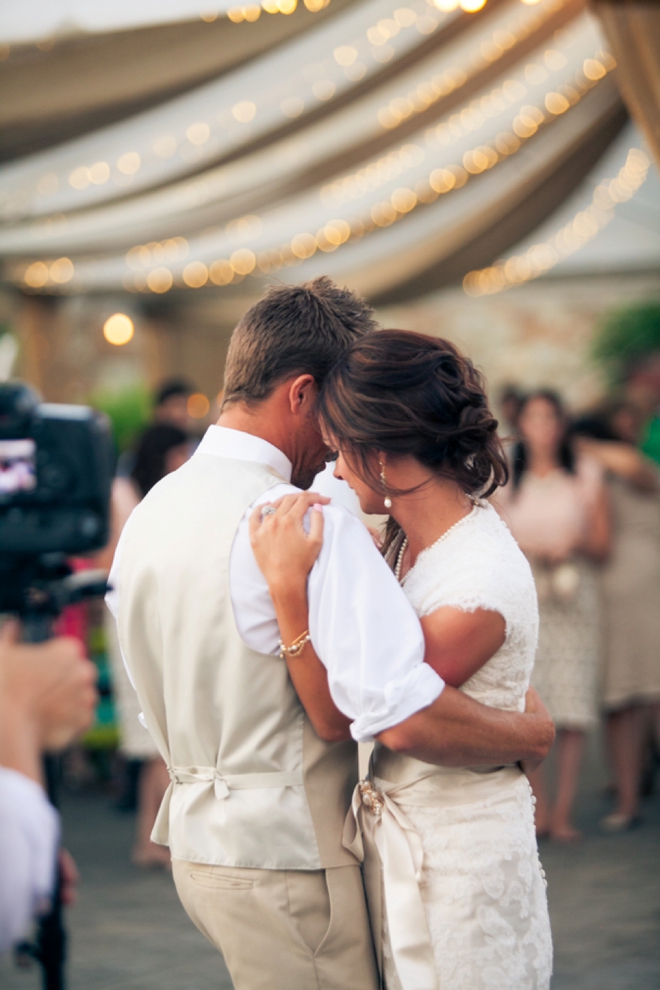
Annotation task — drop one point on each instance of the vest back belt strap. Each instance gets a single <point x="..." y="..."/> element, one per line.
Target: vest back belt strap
<point x="223" y="783"/>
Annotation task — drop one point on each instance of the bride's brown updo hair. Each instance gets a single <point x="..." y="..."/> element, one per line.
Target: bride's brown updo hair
<point x="407" y="394"/>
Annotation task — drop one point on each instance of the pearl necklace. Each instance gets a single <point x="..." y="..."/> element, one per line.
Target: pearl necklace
<point x="402" y="549"/>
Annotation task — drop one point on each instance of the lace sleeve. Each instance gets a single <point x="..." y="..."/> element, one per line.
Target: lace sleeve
<point x="468" y="596"/>
<point x="481" y="566"/>
<point x="484" y="569"/>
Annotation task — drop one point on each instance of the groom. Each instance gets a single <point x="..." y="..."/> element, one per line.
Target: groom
<point x="254" y="813"/>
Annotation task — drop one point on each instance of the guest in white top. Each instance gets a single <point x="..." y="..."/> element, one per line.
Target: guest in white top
<point x="259" y="791"/>
<point x="47" y="698"/>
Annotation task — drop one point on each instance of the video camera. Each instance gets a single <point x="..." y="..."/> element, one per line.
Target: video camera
<point x="55" y="477"/>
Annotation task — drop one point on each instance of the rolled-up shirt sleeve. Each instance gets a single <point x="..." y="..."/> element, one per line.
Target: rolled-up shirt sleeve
<point x="366" y="632"/>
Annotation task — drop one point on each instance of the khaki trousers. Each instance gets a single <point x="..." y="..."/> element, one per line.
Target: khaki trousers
<point x="283" y="929"/>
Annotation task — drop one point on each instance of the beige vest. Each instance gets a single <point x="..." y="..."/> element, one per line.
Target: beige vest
<point x="252" y="784"/>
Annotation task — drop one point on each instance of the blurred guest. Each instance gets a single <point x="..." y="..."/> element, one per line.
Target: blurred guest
<point x="556" y="507"/>
<point x="509" y="401"/>
<point x="631" y="585"/>
<point x="643" y="390"/>
<point x="161" y="449"/>
<point x="170" y="407"/>
<point x="171" y="403"/>
<point x="47" y="698"/>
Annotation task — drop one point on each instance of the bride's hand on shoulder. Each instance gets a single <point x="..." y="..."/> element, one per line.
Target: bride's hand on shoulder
<point x="284" y="550"/>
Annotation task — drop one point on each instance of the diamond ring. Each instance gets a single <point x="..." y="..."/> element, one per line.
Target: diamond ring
<point x="268" y="510"/>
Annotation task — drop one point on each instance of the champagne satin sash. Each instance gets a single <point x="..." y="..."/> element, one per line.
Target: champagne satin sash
<point x="376" y="821"/>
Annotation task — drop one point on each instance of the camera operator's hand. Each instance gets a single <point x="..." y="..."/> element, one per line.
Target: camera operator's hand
<point x="47" y="698"/>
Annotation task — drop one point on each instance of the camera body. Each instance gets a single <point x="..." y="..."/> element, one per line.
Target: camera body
<point x="56" y="465"/>
<point x="55" y="475"/>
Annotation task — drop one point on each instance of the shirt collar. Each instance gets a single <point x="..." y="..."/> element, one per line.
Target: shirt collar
<point x="220" y="441"/>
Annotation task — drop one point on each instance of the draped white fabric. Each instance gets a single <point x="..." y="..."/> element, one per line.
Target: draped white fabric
<point x="213" y="120"/>
<point x="376" y="143"/>
<point x="32" y="20"/>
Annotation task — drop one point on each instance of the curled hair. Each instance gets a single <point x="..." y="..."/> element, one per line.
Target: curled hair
<point x="407" y="394"/>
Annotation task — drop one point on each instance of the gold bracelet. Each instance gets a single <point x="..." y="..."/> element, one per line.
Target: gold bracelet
<point x="297" y="646"/>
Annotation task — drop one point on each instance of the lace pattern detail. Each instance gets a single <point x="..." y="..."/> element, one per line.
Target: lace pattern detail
<point x="484" y="894"/>
<point x="480" y="565"/>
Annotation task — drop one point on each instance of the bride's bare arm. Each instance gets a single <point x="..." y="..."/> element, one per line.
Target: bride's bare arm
<point x="456" y="731"/>
<point x="286" y="562"/>
<point x="458" y="643"/>
<point x="453" y="731"/>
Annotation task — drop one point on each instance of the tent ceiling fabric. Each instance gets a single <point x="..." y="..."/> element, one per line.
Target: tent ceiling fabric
<point x="39" y="20"/>
<point x="251" y="106"/>
<point x="124" y="73"/>
<point x="392" y="147"/>
<point x="633" y="30"/>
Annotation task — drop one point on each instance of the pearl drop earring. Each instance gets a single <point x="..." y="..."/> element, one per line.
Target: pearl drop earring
<point x="387" y="501"/>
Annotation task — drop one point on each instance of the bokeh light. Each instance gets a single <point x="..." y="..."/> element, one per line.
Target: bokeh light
<point x="198" y="405"/>
<point x="118" y="329"/>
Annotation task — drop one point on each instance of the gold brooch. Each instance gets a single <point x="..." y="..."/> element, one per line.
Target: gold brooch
<point x="372" y="798"/>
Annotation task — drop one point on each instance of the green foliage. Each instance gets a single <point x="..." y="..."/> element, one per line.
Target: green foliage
<point x="129" y="411"/>
<point x="624" y="335"/>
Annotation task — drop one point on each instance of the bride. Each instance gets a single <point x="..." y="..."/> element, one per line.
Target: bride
<point x="456" y="890"/>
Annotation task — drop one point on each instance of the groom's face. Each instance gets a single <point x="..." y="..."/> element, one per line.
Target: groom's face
<point x="312" y="454"/>
<point x="306" y="448"/>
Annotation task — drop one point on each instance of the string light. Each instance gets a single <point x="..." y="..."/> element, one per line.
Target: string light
<point x="164" y="258"/>
<point x="38" y="275"/>
<point x="198" y="134"/>
<point x="541" y="258"/>
<point x="195" y="275"/>
<point x="429" y="91"/>
<point x="118" y="329"/>
<point x="159" y="148"/>
<point x="252" y="12"/>
<point x="469" y="6"/>
<point x="402" y="201"/>
<point x="468" y="120"/>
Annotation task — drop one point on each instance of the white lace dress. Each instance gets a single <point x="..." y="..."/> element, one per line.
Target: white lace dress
<point x="481" y="882"/>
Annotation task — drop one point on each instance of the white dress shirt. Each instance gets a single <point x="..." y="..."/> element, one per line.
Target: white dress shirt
<point x="29" y="832"/>
<point x="362" y="626"/>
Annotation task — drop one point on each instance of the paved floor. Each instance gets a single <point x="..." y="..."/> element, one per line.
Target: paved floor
<point x="128" y="931"/>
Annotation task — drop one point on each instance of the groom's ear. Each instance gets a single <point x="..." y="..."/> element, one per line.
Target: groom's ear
<point x="302" y="394"/>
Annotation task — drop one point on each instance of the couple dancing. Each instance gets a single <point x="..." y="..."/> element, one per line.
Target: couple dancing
<point x="265" y="633"/>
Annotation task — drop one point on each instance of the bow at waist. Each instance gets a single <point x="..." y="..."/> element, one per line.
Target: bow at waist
<point x="376" y="823"/>
<point x="223" y="783"/>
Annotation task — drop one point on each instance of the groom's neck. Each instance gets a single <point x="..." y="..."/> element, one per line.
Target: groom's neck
<point x="264" y="419"/>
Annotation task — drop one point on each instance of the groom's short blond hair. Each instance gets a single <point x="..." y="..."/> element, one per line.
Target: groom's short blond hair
<point x="293" y="330"/>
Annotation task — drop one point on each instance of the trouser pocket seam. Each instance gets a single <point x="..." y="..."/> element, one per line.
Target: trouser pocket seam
<point x="330" y="920"/>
